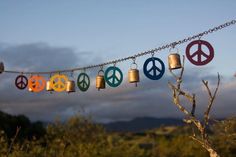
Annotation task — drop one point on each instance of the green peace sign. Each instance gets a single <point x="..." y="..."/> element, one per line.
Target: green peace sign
<point x="113" y="76"/>
<point x="83" y="82"/>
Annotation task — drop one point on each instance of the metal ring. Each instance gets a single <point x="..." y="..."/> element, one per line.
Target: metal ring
<point x="100" y="71"/>
<point x="136" y="66"/>
<point x="175" y="48"/>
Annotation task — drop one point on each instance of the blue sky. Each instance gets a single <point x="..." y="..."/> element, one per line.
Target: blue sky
<point x="105" y="30"/>
<point x="115" y="29"/>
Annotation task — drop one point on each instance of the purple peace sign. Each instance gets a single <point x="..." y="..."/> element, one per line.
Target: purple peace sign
<point x="21" y="82"/>
<point x="197" y="58"/>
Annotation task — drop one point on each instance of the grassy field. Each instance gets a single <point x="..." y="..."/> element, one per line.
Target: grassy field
<point x="79" y="137"/>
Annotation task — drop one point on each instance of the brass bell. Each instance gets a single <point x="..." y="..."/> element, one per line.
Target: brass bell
<point x="100" y="81"/>
<point x="49" y="87"/>
<point x="1" y="67"/>
<point x="174" y="61"/>
<point x="70" y="86"/>
<point x="133" y="76"/>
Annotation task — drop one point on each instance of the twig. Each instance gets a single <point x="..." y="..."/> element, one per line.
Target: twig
<point x="211" y="99"/>
<point x="13" y="140"/>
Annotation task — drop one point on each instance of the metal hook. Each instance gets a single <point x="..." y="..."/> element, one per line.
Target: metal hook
<point x="72" y="73"/>
<point x="152" y="53"/>
<point x="173" y="45"/>
<point x="133" y="60"/>
<point x="114" y="63"/>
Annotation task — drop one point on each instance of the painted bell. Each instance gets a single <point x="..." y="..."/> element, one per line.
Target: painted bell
<point x="49" y="87"/>
<point x="70" y="86"/>
<point x="100" y="82"/>
<point x="1" y="67"/>
<point x="174" y="61"/>
<point x="133" y="76"/>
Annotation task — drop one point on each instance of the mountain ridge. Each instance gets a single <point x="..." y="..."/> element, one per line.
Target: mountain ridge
<point x="141" y="124"/>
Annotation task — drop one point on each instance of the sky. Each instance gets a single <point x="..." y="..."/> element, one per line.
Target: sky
<point x="56" y="34"/>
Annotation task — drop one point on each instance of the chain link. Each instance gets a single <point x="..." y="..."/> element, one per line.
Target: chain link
<point x="151" y="51"/>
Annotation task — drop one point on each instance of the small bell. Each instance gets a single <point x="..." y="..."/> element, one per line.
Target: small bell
<point x="100" y="81"/>
<point x="133" y="76"/>
<point x="1" y="67"/>
<point x="70" y="86"/>
<point x="30" y="89"/>
<point x="49" y="87"/>
<point x="174" y="61"/>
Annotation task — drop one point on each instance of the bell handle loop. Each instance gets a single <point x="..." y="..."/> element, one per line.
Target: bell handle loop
<point x="101" y="67"/>
<point x="174" y="49"/>
<point x="100" y="71"/>
<point x="135" y="66"/>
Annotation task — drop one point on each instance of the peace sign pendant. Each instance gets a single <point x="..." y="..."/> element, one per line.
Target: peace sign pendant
<point x="37" y="83"/>
<point x="58" y="82"/>
<point x="83" y="82"/>
<point x="113" y="76"/>
<point x="199" y="57"/>
<point x="155" y="72"/>
<point x="21" y="82"/>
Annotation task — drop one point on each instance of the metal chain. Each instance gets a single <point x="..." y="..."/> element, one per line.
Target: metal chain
<point x="151" y="51"/>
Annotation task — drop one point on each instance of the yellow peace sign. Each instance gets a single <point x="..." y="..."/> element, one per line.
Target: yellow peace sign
<point x="58" y="82"/>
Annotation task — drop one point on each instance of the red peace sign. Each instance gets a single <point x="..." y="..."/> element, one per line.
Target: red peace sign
<point x="197" y="58"/>
<point x="37" y="83"/>
<point x="21" y="82"/>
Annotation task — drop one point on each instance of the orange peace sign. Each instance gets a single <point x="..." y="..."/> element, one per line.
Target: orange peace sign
<point x="37" y="83"/>
<point x="58" y="82"/>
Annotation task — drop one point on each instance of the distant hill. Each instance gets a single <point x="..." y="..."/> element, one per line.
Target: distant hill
<point x="141" y="124"/>
<point x="8" y="124"/>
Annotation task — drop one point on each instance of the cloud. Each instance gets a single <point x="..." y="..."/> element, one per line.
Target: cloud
<point x="150" y="98"/>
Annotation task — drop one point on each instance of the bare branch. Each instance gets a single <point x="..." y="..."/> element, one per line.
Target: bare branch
<point x="191" y="119"/>
<point x="211" y="100"/>
<point x="13" y="140"/>
<point x="193" y="105"/>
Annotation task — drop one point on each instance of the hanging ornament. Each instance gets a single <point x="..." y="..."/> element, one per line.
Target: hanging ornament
<point x="21" y="82"/>
<point x="174" y="60"/>
<point x="113" y="76"/>
<point x="58" y="82"/>
<point x="100" y="81"/>
<point x="37" y="83"/>
<point x="48" y="86"/>
<point x="31" y="89"/>
<point x="199" y="57"/>
<point x="70" y="86"/>
<point x="1" y="67"/>
<point x="133" y="74"/>
<point x="83" y="82"/>
<point x="156" y="71"/>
